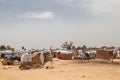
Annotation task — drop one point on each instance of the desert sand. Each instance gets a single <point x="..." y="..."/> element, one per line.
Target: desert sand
<point x="63" y="70"/>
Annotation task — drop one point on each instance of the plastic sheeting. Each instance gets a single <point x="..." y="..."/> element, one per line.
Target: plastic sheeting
<point x="26" y="58"/>
<point x="42" y="58"/>
<point x="8" y="52"/>
<point x="64" y="52"/>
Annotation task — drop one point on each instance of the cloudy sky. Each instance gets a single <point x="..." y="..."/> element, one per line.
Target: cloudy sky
<point x="44" y="23"/>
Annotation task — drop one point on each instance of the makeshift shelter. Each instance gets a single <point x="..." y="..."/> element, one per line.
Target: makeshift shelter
<point x="32" y="60"/>
<point x="104" y="54"/>
<point x="65" y="55"/>
<point x="8" y="53"/>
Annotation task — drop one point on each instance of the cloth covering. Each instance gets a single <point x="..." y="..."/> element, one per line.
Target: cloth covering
<point x="42" y="58"/>
<point x="26" y="58"/>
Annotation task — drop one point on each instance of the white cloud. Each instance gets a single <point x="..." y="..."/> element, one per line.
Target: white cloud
<point x="39" y="15"/>
<point x="98" y="7"/>
<point x="103" y="7"/>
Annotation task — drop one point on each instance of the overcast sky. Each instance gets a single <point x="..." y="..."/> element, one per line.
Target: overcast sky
<point x="44" y="23"/>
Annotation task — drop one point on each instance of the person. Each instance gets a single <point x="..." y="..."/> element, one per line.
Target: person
<point x="118" y="53"/>
<point x="23" y="51"/>
<point x="59" y="55"/>
<point x="42" y="58"/>
<point x="114" y="53"/>
<point x="82" y="55"/>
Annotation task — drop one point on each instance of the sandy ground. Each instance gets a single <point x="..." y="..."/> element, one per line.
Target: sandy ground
<point x="64" y="70"/>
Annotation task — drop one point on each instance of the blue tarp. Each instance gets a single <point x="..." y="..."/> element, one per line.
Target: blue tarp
<point x="8" y="52"/>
